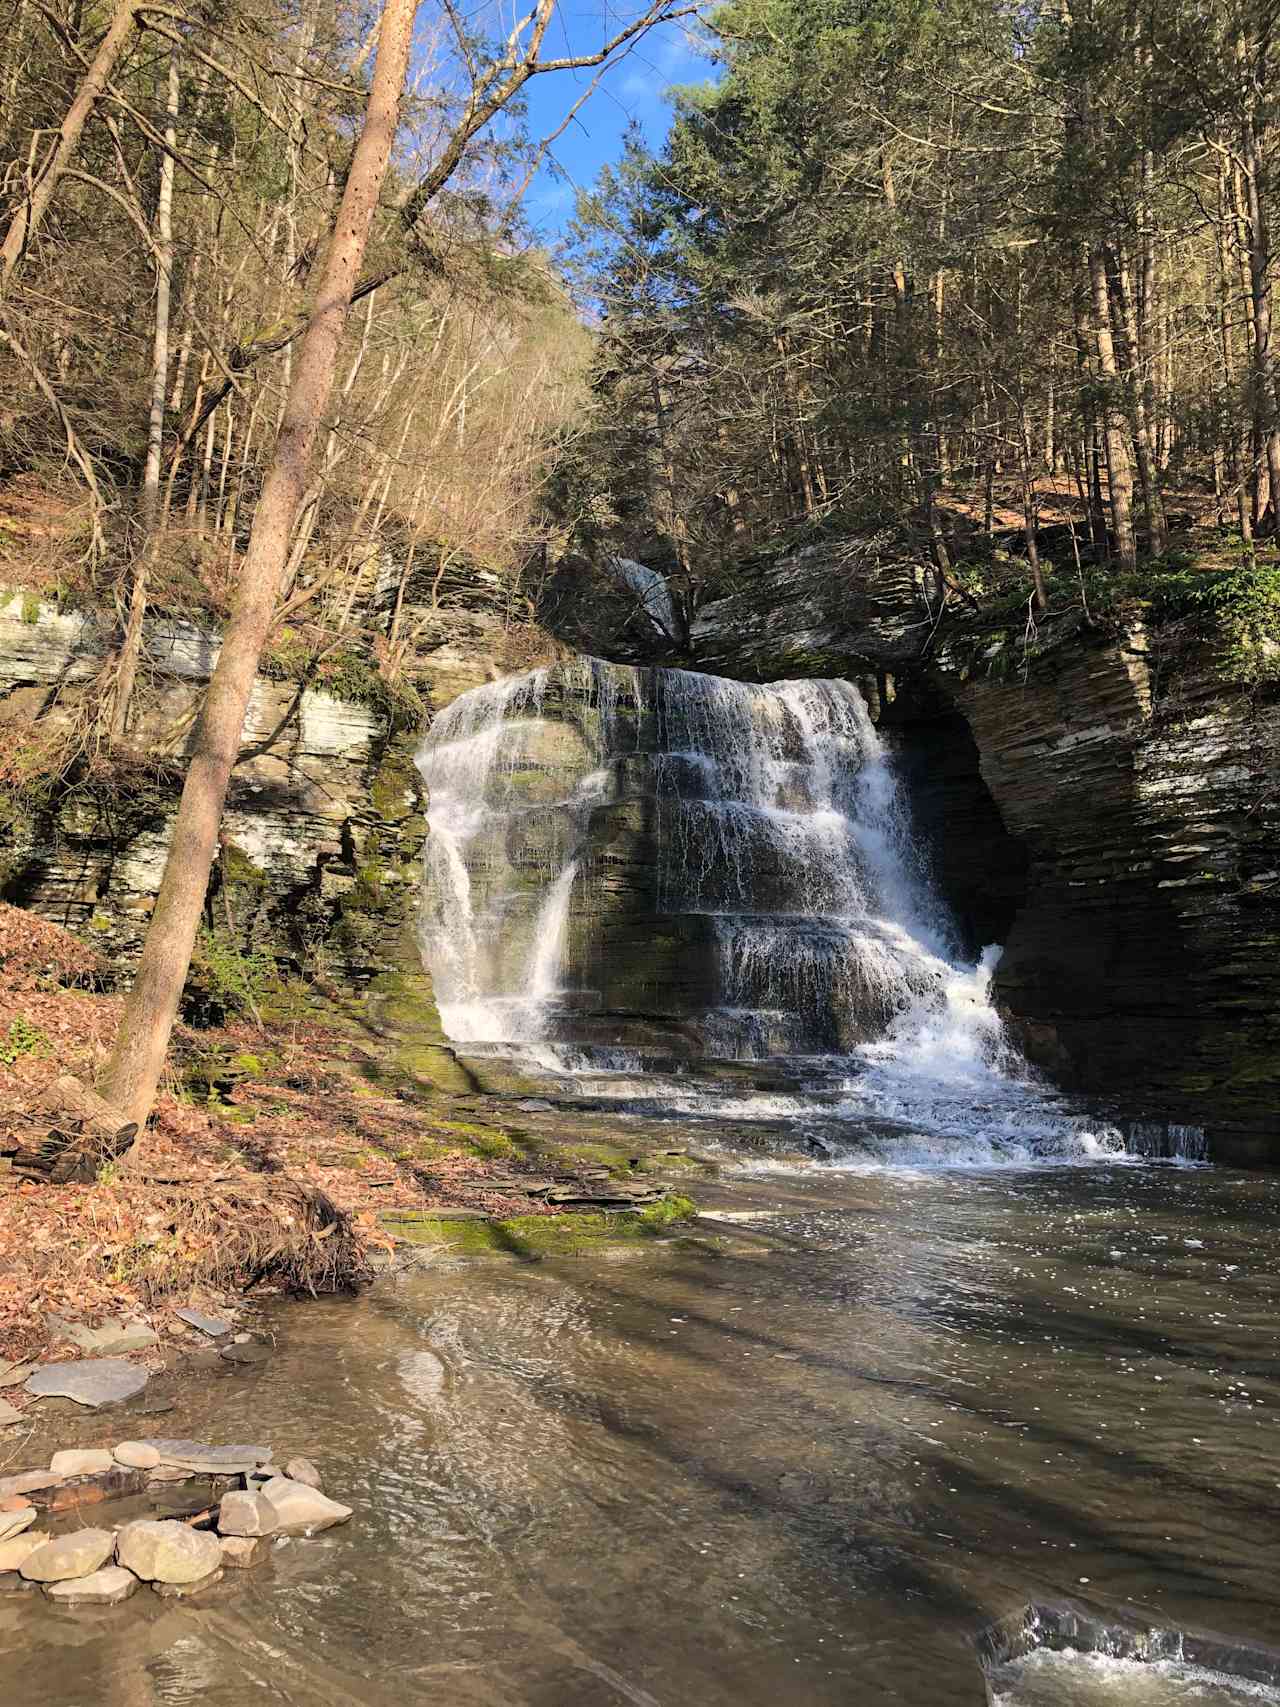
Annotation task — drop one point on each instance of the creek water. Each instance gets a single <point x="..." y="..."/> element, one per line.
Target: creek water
<point x="805" y="1465"/>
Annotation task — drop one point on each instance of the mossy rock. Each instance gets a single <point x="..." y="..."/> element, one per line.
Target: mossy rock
<point x="533" y="1237"/>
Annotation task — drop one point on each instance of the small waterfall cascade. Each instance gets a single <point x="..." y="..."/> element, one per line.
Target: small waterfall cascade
<point x="635" y="873"/>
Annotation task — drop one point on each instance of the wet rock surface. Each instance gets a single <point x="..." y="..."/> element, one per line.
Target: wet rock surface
<point x="167" y="1552"/>
<point x="91" y="1382"/>
<point x="69" y="1556"/>
<point x="106" y="1587"/>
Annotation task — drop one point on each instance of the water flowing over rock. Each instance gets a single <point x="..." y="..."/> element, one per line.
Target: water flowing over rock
<point x="630" y="869"/>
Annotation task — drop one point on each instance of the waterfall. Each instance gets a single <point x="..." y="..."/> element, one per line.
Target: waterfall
<point x="633" y="874"/>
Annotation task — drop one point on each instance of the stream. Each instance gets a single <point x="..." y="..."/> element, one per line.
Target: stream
<point x="805" y="1462"/>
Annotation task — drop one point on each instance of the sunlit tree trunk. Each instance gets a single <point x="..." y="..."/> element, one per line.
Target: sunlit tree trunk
<point x="133" y="1071"/>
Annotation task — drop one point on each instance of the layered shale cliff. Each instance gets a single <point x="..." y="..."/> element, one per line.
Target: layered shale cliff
<point x="1103" y="801"/>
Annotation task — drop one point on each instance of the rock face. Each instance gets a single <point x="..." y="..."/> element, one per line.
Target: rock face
<point x="1144" y="963"/>
<point x="167" y="1552"/>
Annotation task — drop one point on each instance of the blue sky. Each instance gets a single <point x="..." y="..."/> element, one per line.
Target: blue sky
<point x="634" y="88"/>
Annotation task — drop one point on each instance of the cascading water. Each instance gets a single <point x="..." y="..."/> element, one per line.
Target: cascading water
<point x="633" y="874"/>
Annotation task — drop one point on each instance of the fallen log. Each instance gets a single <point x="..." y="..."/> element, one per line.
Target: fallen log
<point x="86" y="1135"/>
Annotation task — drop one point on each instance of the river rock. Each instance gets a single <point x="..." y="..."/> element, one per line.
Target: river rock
<point x="107" y="1587"/>
<point x="171" y="1591"/>
<point x="69" y="1556"/>
<point x="247" y="1514"/>
<point x="81" y="1463"/>
<point x="162" y="1550"/>
<point x="14" y="1522"/>
<point x="304" y="1471"/>
<point x="18" y="1549"/>
<point x="210" y="1460"/>
<point x="91" y="1382"/>
<point x="116" y="1335"/>
<point x="302" y="1510"/>
<point x="27" y="1482"/>
<point x="214" y="1326"/>
<point x="137" y="1455"/>
<point x="252" y="1351"/>
<point x="240" y="1551"/>
<point x="166" y="1473"/>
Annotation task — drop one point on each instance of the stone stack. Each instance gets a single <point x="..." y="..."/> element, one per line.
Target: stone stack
<point x="176" y="1557"/>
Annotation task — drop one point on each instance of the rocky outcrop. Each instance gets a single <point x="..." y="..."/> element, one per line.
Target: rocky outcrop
<point x="1143" y="963"/>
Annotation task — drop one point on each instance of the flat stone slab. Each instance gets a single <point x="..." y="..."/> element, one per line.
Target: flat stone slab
<point x="251" y="1352"/>
<point x="8" y="1413"/>
<point x="195" y="1455"/>
<point x="117" y="1334"/>
<point x="88" y="1462"/>
<point x="165" y="1551"/>
<point x="69" y="1556"/>
<point x="214" y="1326"/>
<point x="171" y="1591"/>
<point x="14" y="1522"/>
<point x="136" y="1455"/>
<point x="91" y="1382"/>
<point x="107" y="1587"/>
<point x="15" y="1552"/>
<point x="28" y="1482"/>
<point x="14" y="1374"/>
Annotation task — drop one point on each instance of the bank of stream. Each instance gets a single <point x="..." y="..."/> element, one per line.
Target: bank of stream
<point x="803" y="1455"/>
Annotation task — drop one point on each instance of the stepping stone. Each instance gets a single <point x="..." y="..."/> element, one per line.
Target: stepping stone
<point x="214" y="1326"/>
<point x="171" y="1591"/>
<point x="301" y="1510"/>
<point x="116" y="1335"/>
<point x="69" y="1556"/>
<point x="14" y="1522"/>
<point x="107" y="1587"/>
<point x="77" y="1463"/>
<point x="194" y="1455"/>
<point x="19" y="1548"/>
<point x="304" y="1471"/>
<point x="91" y="1382"/>
<point x="164" y="1551"/>
<point x="253" y="1352"/>
<point x="137" y="1455"/>
<point x="246" y="1514"/>
<point x="27" y="1482"/>
<point x="241" y="1551"/>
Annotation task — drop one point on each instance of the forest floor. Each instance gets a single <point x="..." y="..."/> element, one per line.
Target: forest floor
<point x="279" y="1158"/>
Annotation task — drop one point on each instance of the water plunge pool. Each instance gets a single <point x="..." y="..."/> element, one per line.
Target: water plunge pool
<point x="807" y="1465"/>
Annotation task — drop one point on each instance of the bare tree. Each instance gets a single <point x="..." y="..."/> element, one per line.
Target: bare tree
<point x="138" y="1057"/>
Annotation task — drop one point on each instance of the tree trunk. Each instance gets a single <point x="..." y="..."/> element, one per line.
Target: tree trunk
<point x="133" y="1072"/>
<point x="148" y="513"/>
<point x="29" y="214"/>
<point x="1264" y="363"/>
<point x="1143" y="437"/>
<point x="1118" y="463"/>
